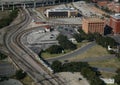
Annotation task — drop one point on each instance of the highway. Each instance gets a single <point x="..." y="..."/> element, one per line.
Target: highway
<point x="26" y="59"/>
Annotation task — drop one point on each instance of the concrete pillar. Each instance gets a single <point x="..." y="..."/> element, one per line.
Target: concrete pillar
<point x="53" y="2"/>
<point x="2" y="7"/>
<point x="24" y="6"/>
<point x="8" y="5"/>
<point x="59" y="2"/>
<point x="13" y="7"/>
<point x="34" y="4"/>
<point x="46" y="2"/>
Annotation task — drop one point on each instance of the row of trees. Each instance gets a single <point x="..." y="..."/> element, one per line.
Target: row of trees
<point x="7" y="20"/>
<point x="101" y="40"/>
<point x="105" y="41"/>
<point x="83" y="36"/>
<point x="83" y="67"/>
<point x="65" y="43"/>
<point x="55" y="49"/>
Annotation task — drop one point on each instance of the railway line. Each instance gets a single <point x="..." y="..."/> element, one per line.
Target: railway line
<point x="37" y="59"/>
<point x="25" y="58"/>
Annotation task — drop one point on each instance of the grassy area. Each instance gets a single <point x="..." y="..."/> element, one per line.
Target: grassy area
<point x="27" y="81"/>
<point x="113" y="63"/>
<point x="82" y="44"/>
<point x="48" y="55"/>
<point x="95" y="51"/>
<point x="107" y="74"/>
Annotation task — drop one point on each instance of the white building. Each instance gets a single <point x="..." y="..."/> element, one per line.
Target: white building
<point x="61" y="12"/>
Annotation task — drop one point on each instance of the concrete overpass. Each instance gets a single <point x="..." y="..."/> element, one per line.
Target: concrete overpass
<point x="24" y="3"/>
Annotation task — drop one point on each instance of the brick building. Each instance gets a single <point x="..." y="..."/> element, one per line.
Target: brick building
<point x="113" y="6"/>
<point x="93" y="25"/>
<point x="115" y="23"/>
<point x="102" y="3"/>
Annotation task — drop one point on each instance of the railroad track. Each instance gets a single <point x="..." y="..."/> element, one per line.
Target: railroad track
<point x="23" y="56"/>
<point x="27" y="50"/>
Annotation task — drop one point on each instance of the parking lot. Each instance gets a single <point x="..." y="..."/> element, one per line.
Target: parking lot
<point x="66" y="30"/>
<point x="85" y="9"/>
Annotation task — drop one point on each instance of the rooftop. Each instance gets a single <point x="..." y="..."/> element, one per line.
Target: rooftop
<point x="94" y="19"/>
<point x="61" y="9"/>
<point x="116" y="16"/>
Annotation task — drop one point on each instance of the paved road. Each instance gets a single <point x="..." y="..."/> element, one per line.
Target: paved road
<point x="73" y="53"/>
<point x="106" y="69"/>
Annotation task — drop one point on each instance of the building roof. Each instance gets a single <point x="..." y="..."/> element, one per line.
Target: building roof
<point x="93" y="20"/>
<point x="116" y="16"/>
<point x="65" y="9"/>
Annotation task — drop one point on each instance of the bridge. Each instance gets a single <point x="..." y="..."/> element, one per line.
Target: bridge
<point x="24" y="3"/>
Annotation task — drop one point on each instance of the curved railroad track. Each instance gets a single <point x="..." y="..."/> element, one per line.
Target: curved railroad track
<point x="25" y="58"/>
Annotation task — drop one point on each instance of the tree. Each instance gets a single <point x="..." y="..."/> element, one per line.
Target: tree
<point x="65" y="43"/>
<point x="117" y="77"/>
<point x="20" y="74"/>
<point x="78" y="37"/>
<point x="2" y="56"/>
<point x="55" y="49"/>
<point x="56" y="66"/>
<point x="7" y="20"/>
<point x="97" y="81"/>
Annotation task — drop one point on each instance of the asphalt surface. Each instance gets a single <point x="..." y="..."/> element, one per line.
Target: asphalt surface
<point x="105" y="69"/>
<point x="4" y="66"/>
<point x="73" y="53"/>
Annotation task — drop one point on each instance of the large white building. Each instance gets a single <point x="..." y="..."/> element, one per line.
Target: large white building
<point x="61" y="12"/>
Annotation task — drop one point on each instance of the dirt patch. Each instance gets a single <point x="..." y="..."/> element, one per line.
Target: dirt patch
<point x="73" y="78"/>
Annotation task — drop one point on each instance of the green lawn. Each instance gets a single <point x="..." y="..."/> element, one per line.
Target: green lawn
<point x="112" y="63"/>
<point x="107" y="74"/>
<point x="48" y="55"/>
<point x="95" y="51"/>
